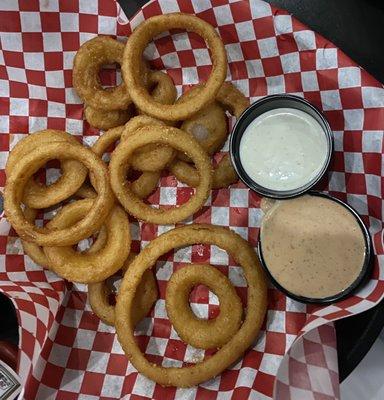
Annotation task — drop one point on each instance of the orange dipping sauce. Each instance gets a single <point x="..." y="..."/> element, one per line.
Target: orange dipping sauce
<point x="312" y="246"/>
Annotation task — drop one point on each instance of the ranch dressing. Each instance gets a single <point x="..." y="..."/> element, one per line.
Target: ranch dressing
<point x="313" y="246"/>
<point x="283" y="149"/>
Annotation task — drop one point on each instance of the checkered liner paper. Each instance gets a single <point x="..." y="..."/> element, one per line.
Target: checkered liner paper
<point x="65" y="351"/>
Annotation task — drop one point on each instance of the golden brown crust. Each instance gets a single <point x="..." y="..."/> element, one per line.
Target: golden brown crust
<point x="243" y="254"/>
<point x="136" y="44"/>
<point x="91" y="266"/>
<point x="146" y="183"/>
<point x="151" y="157"/>
<point x="223" y="174"/>
<point x="145" y="297"/>
<point x="209" y="126"/>
<point x="39" y="196"/>
<point x="104" y="120"/>
<point x="198" y="332"/>
<point x="182" y="141"/>
<point x="232" y="100"/>
<point x="24" y="170"/>
<point x="91" y="56"/>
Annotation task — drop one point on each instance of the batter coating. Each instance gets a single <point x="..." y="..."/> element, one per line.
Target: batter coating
<point x="187" y="235"/>
<point x="198" y="332"/>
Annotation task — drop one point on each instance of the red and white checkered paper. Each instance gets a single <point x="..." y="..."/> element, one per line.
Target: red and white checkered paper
<point x="65" y="351"/>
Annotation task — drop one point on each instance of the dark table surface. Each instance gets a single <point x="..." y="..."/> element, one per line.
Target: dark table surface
<point x="356" y="27"/>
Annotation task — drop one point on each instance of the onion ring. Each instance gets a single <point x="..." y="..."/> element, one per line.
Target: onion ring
<point x="152" y="157"/>
<point x="187" y="235"/>
<point x="146" y="183"/>
<point x="73" y="175"/>
<point x="107" y="119"/>
<point x="145" y="297"/>
<point x="209" y="126"/>
<point x="28" y="165"/>
<point x="232" y="100"/>
<point x="223" y="174"/>
<point x="32" y="250"/>
<point x="198" y="332"/>
<point x="36" y="252"/>
<point x="120" y="163"/>
<point x="86" y="192"/>
<point x="91" y="56"/>
<point x="163" y="89"/>
<point x="133" y="51"/>
<point x="90" y="266"/>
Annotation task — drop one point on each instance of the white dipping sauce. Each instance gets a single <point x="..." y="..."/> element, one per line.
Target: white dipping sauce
<point x="283" y="149"/>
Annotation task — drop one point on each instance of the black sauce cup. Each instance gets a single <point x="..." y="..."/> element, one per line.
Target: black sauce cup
<point x="260" y="107"/>
<point x="364" y="275"/>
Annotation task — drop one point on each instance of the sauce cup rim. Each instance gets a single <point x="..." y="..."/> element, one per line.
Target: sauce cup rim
<point x="241" y="125"/>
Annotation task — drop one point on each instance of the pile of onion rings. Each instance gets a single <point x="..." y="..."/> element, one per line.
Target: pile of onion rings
<point x="111" y="107"/>
<point x="148" y="131"/>
<point x="30" y="163"/>
<point x="170" y="136"/>
<point x="233" y="348"/>
<point x="73" y="172"/>
<point x="132" y="75"/>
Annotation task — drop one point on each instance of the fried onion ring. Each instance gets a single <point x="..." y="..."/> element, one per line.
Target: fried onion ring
<point x="223" y="174"/>
<point x="36" y="252"/>
<point x="146" y="183"/>
<point x="86" y="192"/>
<point x="162" y="88"/>
<point x="209" y="126"/>
<point x="107" y="119"/>
<point x="120" y="164"/>
<point x="133" y="51"/>
<point x="145" y="297"/>
<point x="73" y="175"/>
<point x="89" y="266"/>
<point x="28" y="165"/>
<point x="187" y="235"/>
<point x="232" y="100"/>
<point x="198" y="332"/>
<point x="152" y="157"/>
<point x="91" y="56"/>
